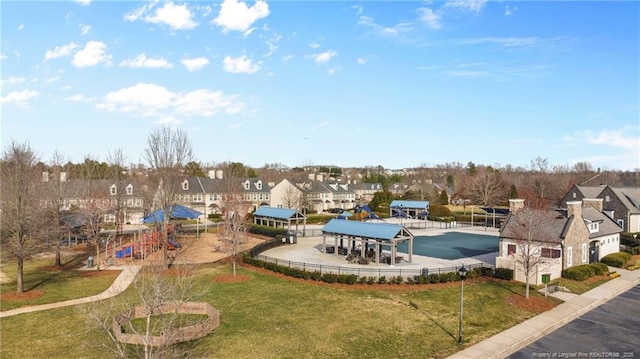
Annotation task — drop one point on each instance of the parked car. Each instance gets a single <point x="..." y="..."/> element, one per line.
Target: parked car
<point x="336" y="210"/>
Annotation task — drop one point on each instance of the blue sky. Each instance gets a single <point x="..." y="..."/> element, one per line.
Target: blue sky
<point x="397" y="84"/>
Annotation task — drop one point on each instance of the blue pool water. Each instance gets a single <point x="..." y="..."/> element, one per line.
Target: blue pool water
<point x="452" y="245"/>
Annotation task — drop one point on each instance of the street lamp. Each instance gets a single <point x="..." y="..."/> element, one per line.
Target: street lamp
<point x="462" y="272"/>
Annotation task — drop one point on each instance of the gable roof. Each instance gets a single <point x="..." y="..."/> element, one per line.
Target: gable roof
<point x="556" y="226"/>
<point x="606" y="227"/>
<point x="380" y="231"/>
<point x="630" y="198"/>
<point x="410" y="204"/>
<point x="590" y="192"/>
<point x="279" y="213"/>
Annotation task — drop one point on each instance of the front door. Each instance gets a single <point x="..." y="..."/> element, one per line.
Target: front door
<point x="593" y="252"/>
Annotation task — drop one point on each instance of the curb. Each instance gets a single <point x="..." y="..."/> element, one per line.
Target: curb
<point x="630" y="283"/>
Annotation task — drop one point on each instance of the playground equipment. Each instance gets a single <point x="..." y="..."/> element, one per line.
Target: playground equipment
<point x="145" y="244"/>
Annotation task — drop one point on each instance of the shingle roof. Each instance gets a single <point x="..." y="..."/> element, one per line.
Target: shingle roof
<point x="607" y="225"/>
<point x="410" y="204"/>
<point x="382" y="231"/>
<point x="630" y="197"/>
<point x="555" y="225"/>
<point x="590" y="192"/>
<point x="279" y="213"/>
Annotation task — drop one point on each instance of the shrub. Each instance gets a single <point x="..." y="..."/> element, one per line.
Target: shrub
<point x="410" y="280"/>
<point x="267" y="231"/>
<point x="600" y="268"/>
<point x="617" y="260"/>
<point x="371" y="280"/>
<point x="579" y="273"/>
<point x="382" y="280"/>
<point x="439" y="210"/>
<point x="504" y="273"/>
<point x="329" y="277"/>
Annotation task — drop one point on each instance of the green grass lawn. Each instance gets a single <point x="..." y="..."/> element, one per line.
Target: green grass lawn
<point x="43" y="283"/>
<point x="579" y="287"/>
<point x="271" y="317"/>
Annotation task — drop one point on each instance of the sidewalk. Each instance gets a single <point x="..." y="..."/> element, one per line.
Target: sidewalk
<point x="119" y="285"/>
<point x="513" y="339"/>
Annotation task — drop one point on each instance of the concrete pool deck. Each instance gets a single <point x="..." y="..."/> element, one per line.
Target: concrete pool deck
<point x="308" y="250"/>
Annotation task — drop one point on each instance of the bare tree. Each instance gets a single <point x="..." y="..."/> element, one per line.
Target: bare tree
<point x="53" y="194"/>
<point x="19" y="206"/>
<point x="151" y="291"/>
<point x="235" y="209"/>
<point x="92" y="204"/>
<point x="118" y="175"/>
<point x="532" y="231"/>
<point x="168" y="151"/>
<point x="486" y="186"/>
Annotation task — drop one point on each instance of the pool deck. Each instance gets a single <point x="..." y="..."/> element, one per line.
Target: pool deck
<point x="308" y="250"/>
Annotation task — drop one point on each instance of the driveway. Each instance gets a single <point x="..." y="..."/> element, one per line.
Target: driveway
<point x="608" y="331"/>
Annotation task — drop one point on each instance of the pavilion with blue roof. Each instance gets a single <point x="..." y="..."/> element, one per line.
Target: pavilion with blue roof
<point x="369" y="237"/>
<point x="408" y="209"/>
<point x="280" y="218"/>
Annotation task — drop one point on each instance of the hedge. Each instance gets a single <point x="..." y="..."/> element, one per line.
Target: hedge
<point x="617" y="259"/>
<point x="267" y="231"/>
<point x="585" y="271"/>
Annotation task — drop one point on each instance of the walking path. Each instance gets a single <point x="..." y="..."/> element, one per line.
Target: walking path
<point x="118" y="286"/>
<point x="511" y="340"/>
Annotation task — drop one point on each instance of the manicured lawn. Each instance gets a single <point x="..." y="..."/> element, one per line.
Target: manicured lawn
<point x="579" y="287"/>
<point x="44" y="283"/>
<point x="271" y="317"/>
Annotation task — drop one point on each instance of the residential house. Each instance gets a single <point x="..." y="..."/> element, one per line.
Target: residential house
<point x="312" y="195"/>
<point x="206" y="194"/>
<point x="364" y="192"/>
<point x="620" y="203"/>
<point x="581" y="234"/>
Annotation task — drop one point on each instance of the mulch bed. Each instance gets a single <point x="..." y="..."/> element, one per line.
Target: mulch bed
<point x="31" y="294"/>
<point x="533" y="304"/>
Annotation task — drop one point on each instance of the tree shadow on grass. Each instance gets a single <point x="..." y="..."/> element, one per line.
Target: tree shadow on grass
<point x="44" y="277"/>
<point x="415" y="306"/>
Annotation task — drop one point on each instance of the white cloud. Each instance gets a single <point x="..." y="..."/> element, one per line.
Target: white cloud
<point x="394" y="30"/>
<point x="13" y="81"/>
<point x="21" y="26"/>
<point x="361" y="61"/>
<point x="178" y="17"/>
<point x="142" y="61"/>
<point x="93" y="53"/>
<point x="430" y="18"/>
<point x="51" y="80"/>
<point x="78" y="98"/>
<point x="20" y="98"/>
<point x="60" y="51"/>
<point x="324" y="57"/>
<point x="195" y="63"/>
<point x="240" y="64"/>
<point x="333" y="70"/>
<point x="169" y="120"/>
<point x="151" y="100"/>
<point x="323" y="124"/>
<point x="610" y="138"/>
<point x="470" y="5"/>
<point x="314" y="45"/>
<point x="3" y="56"/>
<point x="84" y="2"/>
<point x="509" y="10"/>
<point x="359" y="9"/>
<point x="84" y="29"/>
<point x="273" y="44"/>
<point x="504" y="41"/>
<point x="237" y="16"/>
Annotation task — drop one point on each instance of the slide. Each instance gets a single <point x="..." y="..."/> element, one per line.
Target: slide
<point x="173" y="244"/>
<point x="124" y="252"/>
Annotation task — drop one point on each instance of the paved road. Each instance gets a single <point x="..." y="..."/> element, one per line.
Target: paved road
<point x="611" y="330"/>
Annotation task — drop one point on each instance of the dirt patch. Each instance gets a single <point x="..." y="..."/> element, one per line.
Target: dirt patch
<point x="32" y="294"/>
<point x="230" y="278"/>
<point x="596" y="278"/>
<point x="99" y="273"/>
<point x="533" y="304"/>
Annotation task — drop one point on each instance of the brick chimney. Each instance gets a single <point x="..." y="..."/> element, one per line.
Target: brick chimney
<point x="515" y="205"/>
<point x="594" y="203"/>
<point x="574" y="208"/>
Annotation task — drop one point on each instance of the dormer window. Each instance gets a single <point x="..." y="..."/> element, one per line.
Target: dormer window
<point x="246" y="185"/>
<point x="113" y="190"/>
<point x="593" y="226"/>
<point x="129" y="189"/>
<point x="259" y="185"/>
<point x="185" y="185"/>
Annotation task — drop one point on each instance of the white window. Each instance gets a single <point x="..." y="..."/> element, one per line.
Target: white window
<point x="197" y="198"/>
<point x="113" y="189"/>
<point x="569" y="256"/>
<point x="259" y="185"/>
<point x="129" y="189"/>
<point x="185" y="185"/>
<point x="574" y="195"/>
<point x="584" y="252"/>
<point x="246" y="185"/>
<point x="607" y="199"/>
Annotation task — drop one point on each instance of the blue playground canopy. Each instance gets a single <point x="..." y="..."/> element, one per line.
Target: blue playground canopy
<point x="177" y="211"/>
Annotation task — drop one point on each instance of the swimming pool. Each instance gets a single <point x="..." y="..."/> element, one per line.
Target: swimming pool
<point x="452" y="245"/>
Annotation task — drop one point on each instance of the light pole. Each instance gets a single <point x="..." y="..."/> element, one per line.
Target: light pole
<point x="462" y="272"/>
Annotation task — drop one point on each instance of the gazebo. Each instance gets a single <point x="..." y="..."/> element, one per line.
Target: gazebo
<point x="280" y="218"/>
<point x="400" y="208"/>
<point x="367" y="234"/>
